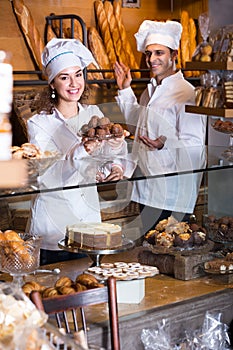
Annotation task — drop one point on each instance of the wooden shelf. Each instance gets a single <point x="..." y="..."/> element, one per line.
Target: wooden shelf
<point x="220" y="112"/>
<point x="209" y="65"/>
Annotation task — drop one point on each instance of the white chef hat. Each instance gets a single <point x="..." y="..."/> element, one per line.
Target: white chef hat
<point x="164" y="33"/>
<point x="59" y="54"/>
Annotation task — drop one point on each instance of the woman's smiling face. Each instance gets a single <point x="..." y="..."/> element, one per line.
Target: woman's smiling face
<point x="69" y="84"/>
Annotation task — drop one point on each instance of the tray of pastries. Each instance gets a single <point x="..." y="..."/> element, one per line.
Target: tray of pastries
<point x="63" y="285"/>
<point x="220" y="266"/>
<point x="37" y="161"/>
<point x="170" y="236"/>
<point x="123" y="271"/>
<point x="102" y="129"/>
<point x="219" y="229"/>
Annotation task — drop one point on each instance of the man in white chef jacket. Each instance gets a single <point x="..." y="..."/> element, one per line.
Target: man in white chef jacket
<point x="167" y="139"/>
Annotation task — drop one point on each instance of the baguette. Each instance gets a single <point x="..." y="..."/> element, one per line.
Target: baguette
<point x="193" y="43"/>
<point x="94" y="75"/>
<point x="185" y="47"/>
<point x="131" y="61"/>
<point x="97" y="48"/>
<point x="30" y="31"/>
<point x="66" y="29"/>
<point x="114" y="31"/>
<point x="105" y="31"/>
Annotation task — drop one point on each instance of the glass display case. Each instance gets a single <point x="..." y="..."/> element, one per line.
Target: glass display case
<point x="187" y="171"/>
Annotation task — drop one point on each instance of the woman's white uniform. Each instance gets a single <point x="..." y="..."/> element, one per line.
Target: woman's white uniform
<point x="51" y="212"/>
<point x="162" y="112"/>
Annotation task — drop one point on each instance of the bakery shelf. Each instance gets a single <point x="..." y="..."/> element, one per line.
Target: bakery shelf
<point x="220" y="112"/>
<point x="209" y="65"/>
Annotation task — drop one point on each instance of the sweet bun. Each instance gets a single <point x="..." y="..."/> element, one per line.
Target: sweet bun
<point x="80" y="287"/>
<point x="11" y="235"/>
<point x="97" y="285"/>
<point x="63" y="282"/>
<point x="49" y="292"/>
<point x="2" y="237"/>
<point x="28" y="287"/>
<point x="117" y="130"/>
<point x="66" y="290"/>
<point x="86" y="279"/>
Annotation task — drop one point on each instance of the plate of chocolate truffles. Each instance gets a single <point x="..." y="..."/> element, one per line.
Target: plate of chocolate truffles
<point x="101" y="129"/>
<point x="171" y="235"/>
<point x="219" y="229"/>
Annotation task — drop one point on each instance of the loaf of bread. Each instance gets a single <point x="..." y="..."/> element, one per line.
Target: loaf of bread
<point x="66" y="28"/>
<point x="130" y="61"/>
<point x="94" y="75"/>
<point x="97" y="48"/>
<point x="192" y="43"/>
<point x="29" y="30"/>
<point x="105" y="31"/>
<point x="184" y="43"/>
<point x="78" y="34"/>
<point x="121" y="56"/>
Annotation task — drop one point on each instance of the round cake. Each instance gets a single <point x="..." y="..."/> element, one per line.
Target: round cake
<point x="94" y="235"/>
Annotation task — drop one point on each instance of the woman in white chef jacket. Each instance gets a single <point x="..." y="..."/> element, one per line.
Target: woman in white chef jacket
<point x="162" y="128"/>
<point x="56" y="128"/>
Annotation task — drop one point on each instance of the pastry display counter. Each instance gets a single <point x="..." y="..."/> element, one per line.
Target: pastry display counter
<point x="207" y="162"/>
<point x="182" y="303"/>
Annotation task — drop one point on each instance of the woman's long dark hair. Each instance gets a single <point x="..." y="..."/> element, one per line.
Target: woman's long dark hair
<point x="46" y="104"/>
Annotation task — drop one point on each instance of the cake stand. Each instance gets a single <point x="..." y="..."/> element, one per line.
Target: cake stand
<point x="96" y="255"/>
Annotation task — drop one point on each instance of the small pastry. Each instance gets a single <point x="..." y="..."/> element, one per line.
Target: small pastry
<point x="86" y="279"/>
<point x="93" y="123"/>
<point x="63" y="282"/>
<point x="80" y="287"/>
<point x="134" y="264"/>
<point x="120" y="276"/>
<point x="96" y="285"/>
<point x="28" y="287"/>
<point x="132" y="274"/>
<point x="104" y="122"/>
<point x="222" y="268"/>
<point x="49" y="292"/>
<point x="108" y="273"/>
<point x="100" y="133"/>
<point x="91" y="133"/>
<point x="66" y="290"/>
<point x="120" y="264"/>
<point x="117" y="130"/>
<point x="11" y="235"/>
<point x="106" y="265"/>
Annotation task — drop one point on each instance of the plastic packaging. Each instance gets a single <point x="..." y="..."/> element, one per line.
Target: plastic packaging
<point x="212" y="335"/>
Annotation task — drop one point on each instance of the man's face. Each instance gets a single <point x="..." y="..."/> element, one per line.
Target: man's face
<point x="160" y="59"/>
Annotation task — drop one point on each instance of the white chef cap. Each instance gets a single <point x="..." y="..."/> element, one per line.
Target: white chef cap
<point x="164" y="33"/>
<point x="60" y="54"/>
